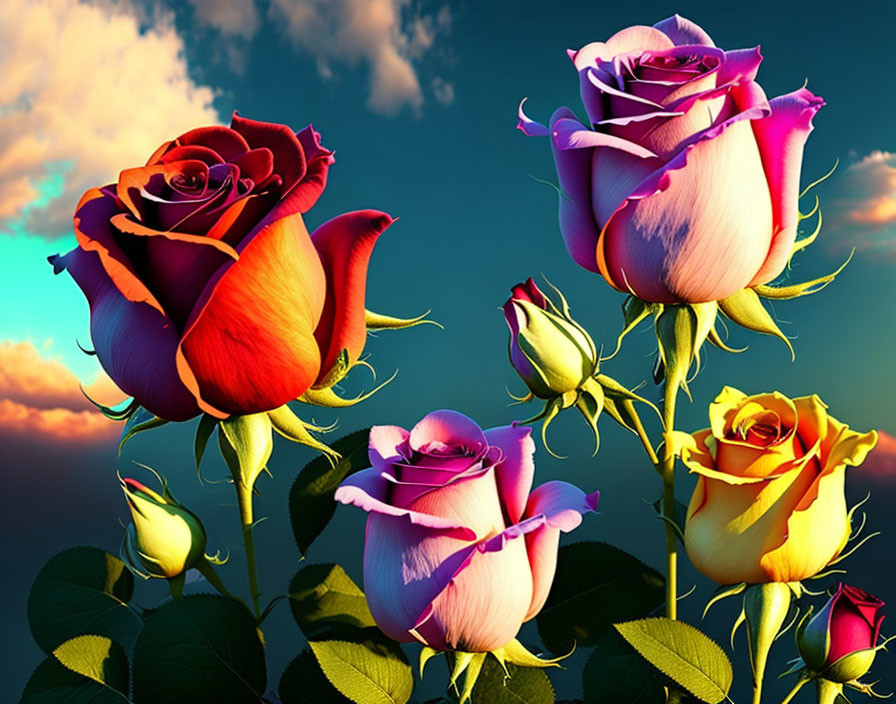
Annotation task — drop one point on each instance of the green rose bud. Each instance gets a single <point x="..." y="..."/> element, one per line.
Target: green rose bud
<point x="165" y="538"/>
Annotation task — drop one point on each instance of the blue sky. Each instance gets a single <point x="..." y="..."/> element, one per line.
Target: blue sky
<point x="419" y="102"/>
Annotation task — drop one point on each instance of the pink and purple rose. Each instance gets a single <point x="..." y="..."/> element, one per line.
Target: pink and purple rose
<point x="459" y="552"/>
<point x="682" y="184"/>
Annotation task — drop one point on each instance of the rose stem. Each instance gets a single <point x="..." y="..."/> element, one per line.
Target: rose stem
<point x="244" y="499"/>
<point x="796" y="688"/>
<point x="207" y="570"/>
<point x="642" y="435"/>
<point x="176" y="584"/>
<point x="668" y="473"/>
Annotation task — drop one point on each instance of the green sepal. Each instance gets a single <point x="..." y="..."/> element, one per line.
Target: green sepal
<point x="724" y="592"/>
<point x="426" y="654"/>
<point x="716" y="339"/>
<point x="375" y="321"/>
<point x="246" y="443"/>
<point x="746" y="309"/>
<point x="619" y="402"/>
<point x="139" y="420"/>
<point x="328" y="398"/>
<point x="676" y="330"/>
<point x="290" y="426"/>
<point x="111" y="413"/>
<point x="204" y="430"/>
<point x="804" y="289"/>
<point x="472" y="666"/>
<point x="590" y="402"/>
<point x="634" y="310"/>
<point x="517" y="654"/>
<point x="337" y="372"/>
<point x="804" y="242"/>
<point x="766" y="607"/>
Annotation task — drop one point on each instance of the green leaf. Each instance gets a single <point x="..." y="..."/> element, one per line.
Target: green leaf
<point x="525" y="685"/>
<point x="139" y="421"/>
<point x="200" y="648"/>
<point x="371" y="670"/>
<point x="303" y="682"/>
<point x="683" y="653"/>
<point x="246" y="444"/>
<point x="321" y="595"/>
<point x="678" y="520"/>
<point x="52" y="683"/>
<point x="311" y="504"/>
<point x="595" y="586"/>
<point x="79" y="591"/>
<point x="616" y="674"/>
<point x="97" y="658"/>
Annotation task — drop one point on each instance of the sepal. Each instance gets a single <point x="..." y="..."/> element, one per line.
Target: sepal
<point x="746" y="309"/>
<point x="246" y="443"/>
<point x="766" y="607"/>
<point x="290" y="426"/>
<point x="376" y="321"/>
<point x="328" y="398"/>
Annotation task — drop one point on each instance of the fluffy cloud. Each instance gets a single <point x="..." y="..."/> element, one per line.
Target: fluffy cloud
<point x="881" y="463"/>
<point x="90" y="87"/>
<point x="42" y="398"/>
<point x="388" y="35"/>
<point x="232" y="17"/>
<point x="865" y="205"/>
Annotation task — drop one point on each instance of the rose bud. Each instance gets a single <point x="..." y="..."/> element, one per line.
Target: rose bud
<point x="681" y="186"/>
<point x="206" y="292"/>
<point x="458" y="552"/>
<point x="550" y="351"/>
<point x="769" y="505"/>
<point x="165" y="538"/>
<point x="839" y="643"/>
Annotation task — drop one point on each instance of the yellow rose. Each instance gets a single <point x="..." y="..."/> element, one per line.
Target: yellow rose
<point x="769" y="505"/>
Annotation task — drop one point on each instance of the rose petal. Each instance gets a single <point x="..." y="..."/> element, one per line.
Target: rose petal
<point x="560" y="506"/>
<point x="781" y="138"/>
<point x="134" y="341"/>
<point x="344" y="245"/>
<point x="682" y="31"/>
<point x="318" y="160"/>
<point x="451" y="429"/>
<point x="255" y="320"/>
<point x="228" y="143"/>
<point x="516" y="470"/>
<point x="289" y="157"/>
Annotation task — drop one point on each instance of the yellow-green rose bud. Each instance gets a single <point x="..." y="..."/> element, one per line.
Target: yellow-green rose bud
<point x="551" y="352"/>
<point x="165" y="538"/>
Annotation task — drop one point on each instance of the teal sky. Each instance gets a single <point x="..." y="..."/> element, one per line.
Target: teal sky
<point x="474" y="220"/>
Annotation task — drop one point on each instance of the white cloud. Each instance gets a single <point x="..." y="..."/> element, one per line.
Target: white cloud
<point x="230" y="17"/>
<point x="443" y="90"/>
<point x="385" y="34"/>
<point x="865" y="204"/>
<point x="84" y="86"/>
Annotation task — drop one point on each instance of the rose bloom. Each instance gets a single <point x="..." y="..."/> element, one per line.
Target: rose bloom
<point x="769" y="505"/>
<point x="849" y="624"/>
<point x="682" y="184"/>
<point x="458" y="552"/>
<point x="206" y="291"/>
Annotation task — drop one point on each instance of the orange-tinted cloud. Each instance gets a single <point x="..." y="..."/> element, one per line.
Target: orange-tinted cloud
<point x="881" y="463"/>
<point x="865" y="204"/>
<point x="89" y="86"/>
<point x="42" y="398"/>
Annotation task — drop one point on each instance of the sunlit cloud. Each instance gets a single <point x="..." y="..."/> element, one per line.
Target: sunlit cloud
<point x="865" y="205"/>
<point x="87" y="90"/>
<point x="881" y="463"/>
<point x="232" y="18"/>
<point x="389" y="36"/>
<point x="41" y="398"/>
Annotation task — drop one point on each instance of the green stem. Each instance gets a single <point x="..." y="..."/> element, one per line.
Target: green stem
<point x="796" y="688"/>
<point x="176" y="584"/>
<point x="244" y="499"/>
<point x="668" y="474"/>
<point x="207" y="570"/>
<point x="642" y="436"/>
<point x="828" y="691"/>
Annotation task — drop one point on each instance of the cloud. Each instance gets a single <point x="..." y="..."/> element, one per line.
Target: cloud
<point x="881" y="463"/>
<point x="42" y="399"/>
<point x="865" y="205"/>
<point x="92" y="89"/>
<point x="388" y="35"/>
<point x="442" y="90"/>
<point x="232" y="18"/>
